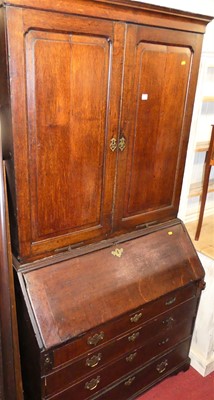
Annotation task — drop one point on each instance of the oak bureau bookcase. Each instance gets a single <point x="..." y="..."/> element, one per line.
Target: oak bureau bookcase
<point x="96" y="104"/>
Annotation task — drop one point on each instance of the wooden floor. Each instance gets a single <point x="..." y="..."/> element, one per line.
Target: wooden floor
<point x="205" y="244"/>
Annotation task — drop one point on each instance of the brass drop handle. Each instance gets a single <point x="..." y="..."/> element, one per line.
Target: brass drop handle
<point x="163" y="342"/>
<point x="171" y="301"/>
<point x="94" y="340"/>
<point x="162" y="366"/>
<point x="93" y="383"/>
<point x="122" y="143"/>
<point x="131" y="357"/>
<point x="168" y="321"/>
<point x="129" y="381"/>
<point x="133" y="337"/>
<point x="136" y="317"/>
<point x="93" y="361"/>
<point x="113" y="144"/>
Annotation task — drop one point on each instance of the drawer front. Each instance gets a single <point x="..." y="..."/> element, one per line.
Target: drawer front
<point x="118" y="327"/>
<point x="135" y="381"/>
<point x="165" y="331"/>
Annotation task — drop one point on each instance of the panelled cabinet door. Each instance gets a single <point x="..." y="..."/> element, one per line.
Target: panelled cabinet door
<point x="157" y="103"/>
<point x="65" y="122"/>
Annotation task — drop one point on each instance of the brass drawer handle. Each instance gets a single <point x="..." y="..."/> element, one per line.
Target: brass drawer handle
<point x="93" y="361"/>
<point x="94" y="340"/>
<point x="168" y="321"/>
<point x="91" y="385"/>
<point x="129" y="381"/>
<point x="171" y="301"/>
<point x="133" y="337"/>
<point x="163" y="342"/>
<point x="113" y="144"/>
<point x="136" y="317"/>
<point x="122" y="143"/>
<point x="131" y="357"/>
<point x="162" y="366"/>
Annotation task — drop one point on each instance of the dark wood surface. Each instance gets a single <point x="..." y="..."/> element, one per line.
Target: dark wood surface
<point x="133" y="385"/>
<point x="142" y="378"/>
<point x="76" y="295"/>
<point x="84" y="167"/>
<point x="150" y="170"/>
<point x="101" y="305"/>
<point x="132" y="353"/>
<point x="161" y="325"/>
<point x="61" y="147"/>
<point x="137" y="12"/>
<point x="10" y="380"/>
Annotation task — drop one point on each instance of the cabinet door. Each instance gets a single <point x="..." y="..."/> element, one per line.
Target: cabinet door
<point x="65" y="114"/>
<point x="159" y="83"/>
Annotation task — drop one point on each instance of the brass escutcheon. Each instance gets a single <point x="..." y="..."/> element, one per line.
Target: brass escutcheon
<point x="122" y="143"/>
<point x="91" y="385"/>
<point x="113" y="144"/>
<point x="94" y="340"/>
<point x="94" y="360"/>
<point x="117" y="252"/>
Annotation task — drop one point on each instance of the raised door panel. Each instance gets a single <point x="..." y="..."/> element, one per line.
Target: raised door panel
<point x="154" y="124"/>
<point x="71" y="115"/>
<point x="67" y="129"/>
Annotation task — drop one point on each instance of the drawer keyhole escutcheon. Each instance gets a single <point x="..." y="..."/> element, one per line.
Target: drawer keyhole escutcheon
<point x="133" y="337"/>
<point x="129" y="381"/>
<point x="91" y="385"/>
<point x="171" y="301"/>
<point x="94" y="360"/>
<point x="131" y="357"/>
<point x="122" y="143"/>
<point x="113" y="144"/>
<point x="117" y="252"/>
<point x="136" y="317"/>
<point x="162" y="366"/>
<point x="94" y="340"/>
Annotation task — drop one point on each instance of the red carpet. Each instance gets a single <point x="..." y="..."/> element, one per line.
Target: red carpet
<point x="188" y="385"/>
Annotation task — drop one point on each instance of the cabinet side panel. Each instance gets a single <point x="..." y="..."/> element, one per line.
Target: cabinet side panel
<point x="6" y="127"/>
<point x="29" y="349"/>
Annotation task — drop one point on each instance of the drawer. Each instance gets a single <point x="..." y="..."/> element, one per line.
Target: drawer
<point x="137" y="352"/>
<point x="87" y="388"/>
<point x="138" y="382"/>
<point x="118" y="327"/>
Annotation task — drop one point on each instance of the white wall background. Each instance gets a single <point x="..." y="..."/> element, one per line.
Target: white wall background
<point x="205" y="7"/>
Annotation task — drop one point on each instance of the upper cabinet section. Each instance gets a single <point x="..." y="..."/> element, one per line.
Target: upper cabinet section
<point x="65" y="79"/>
<point x="101" y="96"/>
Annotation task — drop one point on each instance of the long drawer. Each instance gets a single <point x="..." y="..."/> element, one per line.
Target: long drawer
<point x="116" y="328"/>
<point x="162" y="333"/>
<point x="135" y="381"/>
